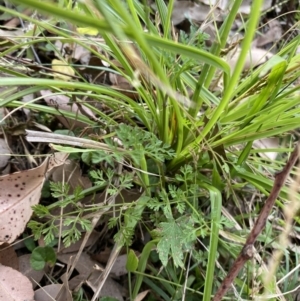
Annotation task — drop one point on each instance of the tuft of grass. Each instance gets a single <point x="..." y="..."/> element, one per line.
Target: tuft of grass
<point x="186" y="147"/>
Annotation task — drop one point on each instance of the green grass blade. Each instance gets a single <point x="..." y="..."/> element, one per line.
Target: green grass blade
<point x="216" y="206"/>
<point x="208" y="71"/>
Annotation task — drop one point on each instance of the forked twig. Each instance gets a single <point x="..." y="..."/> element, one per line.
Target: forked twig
<point x="247" y="251"/>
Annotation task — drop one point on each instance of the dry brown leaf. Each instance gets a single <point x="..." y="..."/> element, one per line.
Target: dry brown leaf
<point x="51" y="292"/>
<point x="14" y="286"/>
<point x="65" y="293"/>
<point x="55" y="161"/>
<point x="84" y="266"/>
<point x="255" y="57"/>
<point x="28" y="98"/>
<point x="4" y="154"/>
<point x="87" y="273"/>
<point x="273" y="35"/>
<point x="111" y="288"/>
<point x="63" y="102"/>
<point x="125" y="196"/>
<point x="14" y="22"/>
<point x="192" y="11"/>
<point x="26" y="269"/>
<point x="119" y="267"/>
<point x="70" y="173"/>
<point x="117" y="79"/>
<point x="120" y="83"/>
<point x="141" y="295"/>
<point x="64" y="71"/>
<point x="76" y="282"/>
<point x="103" y="256"/>
<point x="245" y="8"/>
<point x="93" y="70"/>
<point x="8" y="257"/>
<point x="11" y="36"/>
<point x="75" y="51"/>
<point x="265" y="144"/>
<point x="222" y="4"/>
<point x="94" y="236"/>
<point x="20" y="191"/>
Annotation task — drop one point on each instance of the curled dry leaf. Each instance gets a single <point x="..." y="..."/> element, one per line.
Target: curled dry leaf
<point x="14" y="286"/>
<point x="20" y="191"/>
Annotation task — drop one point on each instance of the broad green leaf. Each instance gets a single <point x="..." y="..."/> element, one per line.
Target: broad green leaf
<point x="42" y="256"/>
<point x="170" y="243"/>
<point x="132" y="261"/>
<point x="176" y="237"/>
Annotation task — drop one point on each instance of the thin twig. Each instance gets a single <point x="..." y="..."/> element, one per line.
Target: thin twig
<point x="247" y="251"/>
